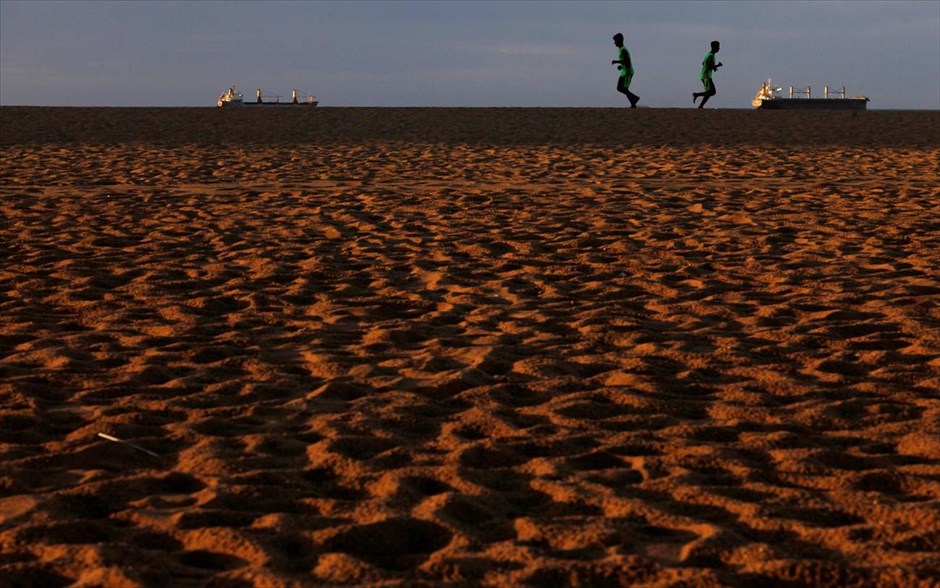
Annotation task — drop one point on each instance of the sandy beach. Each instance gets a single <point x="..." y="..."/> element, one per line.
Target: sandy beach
<point x="469" y="347"/>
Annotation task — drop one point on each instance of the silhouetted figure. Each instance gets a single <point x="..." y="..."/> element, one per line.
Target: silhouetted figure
<point x="625" y="65"/>
<point x="708" y="66"/>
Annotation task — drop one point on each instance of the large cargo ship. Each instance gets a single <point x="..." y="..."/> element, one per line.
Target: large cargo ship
<point x="233" y="98"/>
<point x="769" y="98"/>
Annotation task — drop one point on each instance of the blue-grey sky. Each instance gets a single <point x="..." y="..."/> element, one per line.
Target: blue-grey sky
<point x="461" y="53"/>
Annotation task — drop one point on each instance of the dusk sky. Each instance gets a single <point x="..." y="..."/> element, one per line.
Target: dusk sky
<point x="462" y="53"/>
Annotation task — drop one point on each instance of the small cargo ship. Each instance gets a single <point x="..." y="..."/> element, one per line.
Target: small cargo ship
<point x="232" y="98"/>
<point x="769" y="98"/>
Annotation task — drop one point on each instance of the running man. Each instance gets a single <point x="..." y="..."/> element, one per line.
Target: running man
<point x="625" y="65"/>
<point x="708" y="66"/>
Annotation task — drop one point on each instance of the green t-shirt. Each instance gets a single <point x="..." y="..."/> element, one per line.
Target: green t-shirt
<point x="624" y="55"/>
<point x="707" y="64"/>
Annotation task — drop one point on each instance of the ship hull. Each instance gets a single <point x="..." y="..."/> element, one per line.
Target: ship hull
<point x="262" y="104"/>
<point x="814" y="104"/>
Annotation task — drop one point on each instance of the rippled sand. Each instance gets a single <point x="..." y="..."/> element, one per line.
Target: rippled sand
<point x="501" y="347"/>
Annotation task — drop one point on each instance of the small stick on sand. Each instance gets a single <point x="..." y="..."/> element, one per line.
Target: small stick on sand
<point x="137" y="447"/>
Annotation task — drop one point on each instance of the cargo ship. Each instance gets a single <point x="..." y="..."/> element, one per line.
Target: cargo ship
<point x="233" y="98"/>
<point x="769" y="98"/>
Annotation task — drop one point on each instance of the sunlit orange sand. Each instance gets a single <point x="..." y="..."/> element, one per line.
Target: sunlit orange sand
<point x="501" y="347"/>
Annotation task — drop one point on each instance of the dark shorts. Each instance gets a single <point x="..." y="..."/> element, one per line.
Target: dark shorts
<point x="623" y="82"/>
<point x="709" y="85"/>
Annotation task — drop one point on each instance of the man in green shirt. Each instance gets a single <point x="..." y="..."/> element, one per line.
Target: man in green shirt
<point x="625" y="65"/>
<point x="708" y="66"/>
